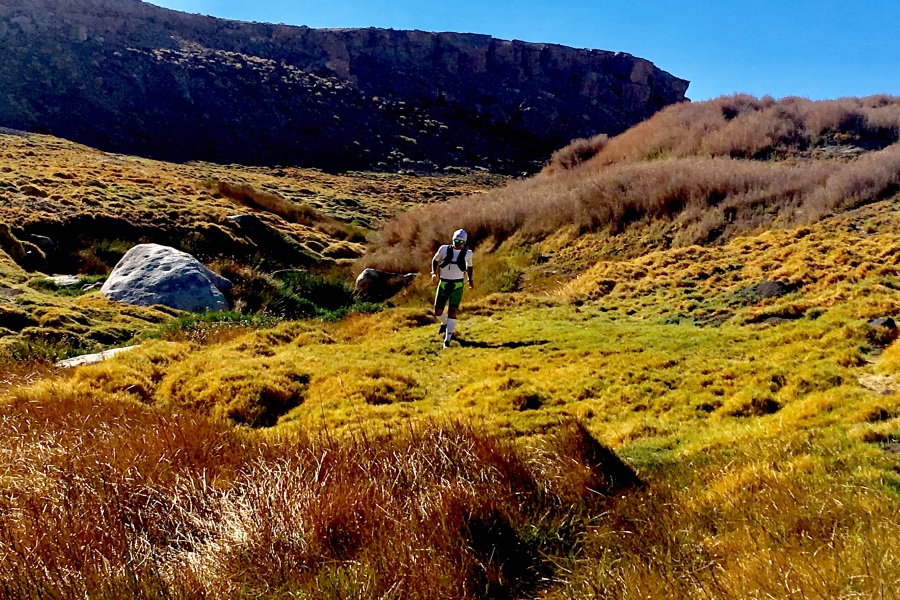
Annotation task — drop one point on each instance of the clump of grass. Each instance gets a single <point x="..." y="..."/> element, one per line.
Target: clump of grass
<point x="383" y="386"/>
<point x="175" y="506"/>
<point x="210" y="327"/>
<point x="247" y="194"/>
<point x="25" y="254"/>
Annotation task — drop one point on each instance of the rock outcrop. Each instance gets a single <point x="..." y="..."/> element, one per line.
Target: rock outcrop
<point x="373" y="285"/>
<point x="127" y="76"/>
<point x="151" y="274"/>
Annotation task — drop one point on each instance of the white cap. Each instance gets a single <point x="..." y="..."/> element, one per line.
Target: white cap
<point x="460" y="234"/>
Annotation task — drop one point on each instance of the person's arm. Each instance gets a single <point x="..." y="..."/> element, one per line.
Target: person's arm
<point x="469" y="271"/>
<point x="436" y="265"/>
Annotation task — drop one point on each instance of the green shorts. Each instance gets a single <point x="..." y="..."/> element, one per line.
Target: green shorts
<point x="448" y="290"/>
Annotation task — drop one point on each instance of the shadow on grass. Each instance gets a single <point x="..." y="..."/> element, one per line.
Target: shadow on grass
<point x="478" y="344"/>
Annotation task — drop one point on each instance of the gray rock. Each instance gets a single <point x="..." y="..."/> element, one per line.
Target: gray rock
<point x="41" y="241"/>
<point x="886" y="322"/>
<point x="249" y="223"/>
<point x="362" y="89"/>
<point x="65" y="280"/>
<point x="771" y="289"/>
<point x="90" y="359"/>
<point x="376" y="286"/>
<point x="153" y="274"/>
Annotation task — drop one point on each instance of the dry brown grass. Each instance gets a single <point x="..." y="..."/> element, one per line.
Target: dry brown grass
<point x="105" y="497"/>
<point x="577" y="152"/>
<point x="742" y="126"/>
<point x="696" y="199"/>
<point x="787" y="539"/>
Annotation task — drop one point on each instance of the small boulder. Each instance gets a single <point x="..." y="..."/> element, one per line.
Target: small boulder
<point x="43" y="242"/>
<point x="250" y="224"/>
<point x="772" y="289"/>
<point x="153" y="274"/>
<point x="90" y="359"/>
<point x="886" y="322"/>
<point x="373" y="285"/>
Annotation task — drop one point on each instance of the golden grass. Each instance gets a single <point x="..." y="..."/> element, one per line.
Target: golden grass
<point x="163" y="505"/>
<point x="766" y="446"/>
<point x="686" y="176"/>
<point x="765" y="430"/>
<point x="742" y="126"/>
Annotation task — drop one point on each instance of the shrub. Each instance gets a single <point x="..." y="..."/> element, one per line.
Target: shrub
<point x="102" y="255"/>
<point x="288" y="294"/>
<point x="577" y="152"/>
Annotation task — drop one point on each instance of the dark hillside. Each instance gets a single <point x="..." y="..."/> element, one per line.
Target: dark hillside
<point x="126" y="76"/>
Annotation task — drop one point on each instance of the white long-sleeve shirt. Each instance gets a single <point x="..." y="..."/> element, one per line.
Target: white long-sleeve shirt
<point x="452" y="271"/>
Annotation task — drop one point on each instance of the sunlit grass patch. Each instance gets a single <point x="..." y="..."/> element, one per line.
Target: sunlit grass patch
<point x="381" y="386"/>
<point x="186" y="505"/>
<point x="245" y="384"/>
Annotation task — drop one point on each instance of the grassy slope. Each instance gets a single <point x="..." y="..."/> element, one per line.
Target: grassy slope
<point x="96" y="205"/>
<point x="766" y="429"/>
<point x="765" y="442"/>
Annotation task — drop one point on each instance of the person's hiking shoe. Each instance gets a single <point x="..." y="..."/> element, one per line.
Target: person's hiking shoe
<point x="446" y="345"/>
<point x="442" y="328"/>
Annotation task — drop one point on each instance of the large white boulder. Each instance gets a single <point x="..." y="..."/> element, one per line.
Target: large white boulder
<point x="153" y="274"/>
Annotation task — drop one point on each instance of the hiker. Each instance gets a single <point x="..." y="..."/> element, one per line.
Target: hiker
<point x="448" y="267"/>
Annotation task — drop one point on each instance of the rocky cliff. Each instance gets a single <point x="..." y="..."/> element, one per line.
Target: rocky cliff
<point x="127" y="76"/>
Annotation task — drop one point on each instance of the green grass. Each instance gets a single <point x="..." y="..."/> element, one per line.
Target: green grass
<point x="757" y="442"/>
<point x="74" y="289"/>
<point x="309" y="445"/>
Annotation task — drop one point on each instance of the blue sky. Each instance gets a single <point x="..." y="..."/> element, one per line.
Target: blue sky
<point x="817" y="49"/>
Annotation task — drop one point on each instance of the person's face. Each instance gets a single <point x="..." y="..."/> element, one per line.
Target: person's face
<point x="459" y="244"/>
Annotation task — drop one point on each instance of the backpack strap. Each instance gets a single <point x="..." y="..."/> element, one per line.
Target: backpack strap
<point x="460" y="260"/>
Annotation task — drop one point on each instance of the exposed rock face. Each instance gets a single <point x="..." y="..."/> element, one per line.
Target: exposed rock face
<point x="151" y="274"/>
<point x="127" y="76"/>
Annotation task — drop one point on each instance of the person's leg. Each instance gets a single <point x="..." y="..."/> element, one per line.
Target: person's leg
<point x="448" y="335"/>
<point x="454" y="299"/>
<point x="440" y="299"/>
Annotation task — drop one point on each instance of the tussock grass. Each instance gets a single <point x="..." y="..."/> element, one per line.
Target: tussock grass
<point x="729" y="441"/>
<point x="686" y="176"/>
<point x="743" y="126"/>
<point x="172" y="506"/>
<point x="761" y="531"/>
<point x="759" y="455"/>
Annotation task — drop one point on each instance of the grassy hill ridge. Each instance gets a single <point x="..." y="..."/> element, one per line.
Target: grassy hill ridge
<point x="746" y="390"/>
<point x="94" y="206"/>
<point x="698" y="173"/>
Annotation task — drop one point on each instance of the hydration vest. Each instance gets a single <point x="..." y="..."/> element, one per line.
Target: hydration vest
<point x="460" y="260"/>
